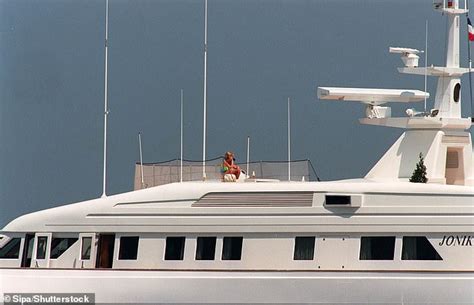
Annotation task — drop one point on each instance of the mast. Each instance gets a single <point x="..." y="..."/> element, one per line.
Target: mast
<point x="181" y="142"/>
<point x="447" y="100"/>
<point x="452" y="48"/>
<point x="289" y="142"/>
<point x="248" y="155"/>
<point x="205" y="95"/>
<point x="106" y="110"/>
<point x="440" y="134"/>
<point x="141" y="159"/>
<point x="426" y="63"/>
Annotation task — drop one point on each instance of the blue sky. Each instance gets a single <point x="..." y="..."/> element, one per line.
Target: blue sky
<point x="260" y="53"/>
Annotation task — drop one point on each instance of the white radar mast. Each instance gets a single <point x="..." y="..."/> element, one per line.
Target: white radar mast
<point x="440" y="135"/>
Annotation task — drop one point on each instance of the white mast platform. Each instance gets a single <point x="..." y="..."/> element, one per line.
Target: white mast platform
<point x="371" y="96"/>
<point x="440" y="134"/>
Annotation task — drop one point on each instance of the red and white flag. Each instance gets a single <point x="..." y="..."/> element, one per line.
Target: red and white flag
<point x="470" y="30"/>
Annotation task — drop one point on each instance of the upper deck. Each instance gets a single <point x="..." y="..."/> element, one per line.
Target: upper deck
<point x="265" y="207"/>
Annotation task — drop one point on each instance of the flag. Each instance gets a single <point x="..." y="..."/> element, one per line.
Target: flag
<point x="470" y="30"/>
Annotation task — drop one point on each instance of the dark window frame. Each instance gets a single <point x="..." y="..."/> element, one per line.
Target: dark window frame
<point x="128" y="248"/>
<point x="232" y="247"/>
<point x="86" y="255"/>
<point x="206" y="248"/>
<point x="421" y="244"/>
<point x="370" y="244"/>
<point x="300" y="252"/>
<point x="13" y="245"/>
<point x="457" y="92"/>
<point x="41" y="241"/>
<point x="172" y="253"/>
<point x="56" y="252"/>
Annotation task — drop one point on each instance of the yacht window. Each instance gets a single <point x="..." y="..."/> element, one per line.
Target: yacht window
<point x="232" y="248"/>
<point x="457" y="91"/>
<point x="304" y="248"/>
<point x="377" y="248"/>
<point x="41" y="247"/>
<point x="86" y="248"/>
<point x="11" y="250"/>
<point x="206" y="248"/>
<point x="338" y="200"/>
<point x="60" y="245"/>
<point x="419" y="248"/>
<point x="128" y="247"/>
<point x="28" y="250"/>
<point x="174" y="248"/>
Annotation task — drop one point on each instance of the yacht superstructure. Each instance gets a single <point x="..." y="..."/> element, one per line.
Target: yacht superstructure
<point x="375" y="240"/>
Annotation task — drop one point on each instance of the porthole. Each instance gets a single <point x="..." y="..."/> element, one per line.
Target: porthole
<point x="457" y="91"/>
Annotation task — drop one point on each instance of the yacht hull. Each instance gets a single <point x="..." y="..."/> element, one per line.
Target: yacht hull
<point x="237" y="287"/>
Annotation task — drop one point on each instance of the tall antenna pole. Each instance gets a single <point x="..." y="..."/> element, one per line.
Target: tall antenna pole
<point x="426" y="60"/>
<point x="289" y="142"/>
<point x="141" y="158"/>
<point x="248" y="155"/>
<point x="181" y="142"/>
<point x="205" y="95"/>
<point x="106" y="110"/>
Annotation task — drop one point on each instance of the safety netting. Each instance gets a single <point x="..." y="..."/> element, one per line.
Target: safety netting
<point x="160" y="173"/>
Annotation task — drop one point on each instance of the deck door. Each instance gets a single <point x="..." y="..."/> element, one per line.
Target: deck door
<point x="41" y="250"/>
<point x="87" y="250"/>
<point x="105" y="250"/>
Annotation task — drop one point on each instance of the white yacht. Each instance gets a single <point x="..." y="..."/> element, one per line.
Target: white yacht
<point x="379" y="239"/>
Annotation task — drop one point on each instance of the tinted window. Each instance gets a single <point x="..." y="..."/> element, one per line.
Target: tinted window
<point x="457" y="91"/>
<point x="28" y="250"/>
<point x="41" y="247"/>
<point x="232" y="248"/>
<point x="11" y="250"/>
<point x="377" y="248"/>
<point x="86" y="248"/>
<point x="206" y="248"/>
<point x="418" y="248"/>
<point x="175" y="248"/>
<point x="60" y="245"/>
<point x="128" y="247"/>
<point x="304" y="248"/>
<point x="338" y="200"/>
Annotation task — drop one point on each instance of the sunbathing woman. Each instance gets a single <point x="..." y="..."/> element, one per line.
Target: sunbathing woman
<point x="228" y="166"/>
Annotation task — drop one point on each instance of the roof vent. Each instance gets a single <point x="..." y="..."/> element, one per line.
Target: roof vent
<point x="342" y="200"/>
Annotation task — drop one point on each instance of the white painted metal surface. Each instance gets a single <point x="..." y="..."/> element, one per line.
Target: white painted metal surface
<point x="371" y="96"/>
<point x="249" y="287"/>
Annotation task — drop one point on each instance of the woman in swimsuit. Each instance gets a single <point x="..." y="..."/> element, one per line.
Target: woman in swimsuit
<point x="228" y="166"/>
